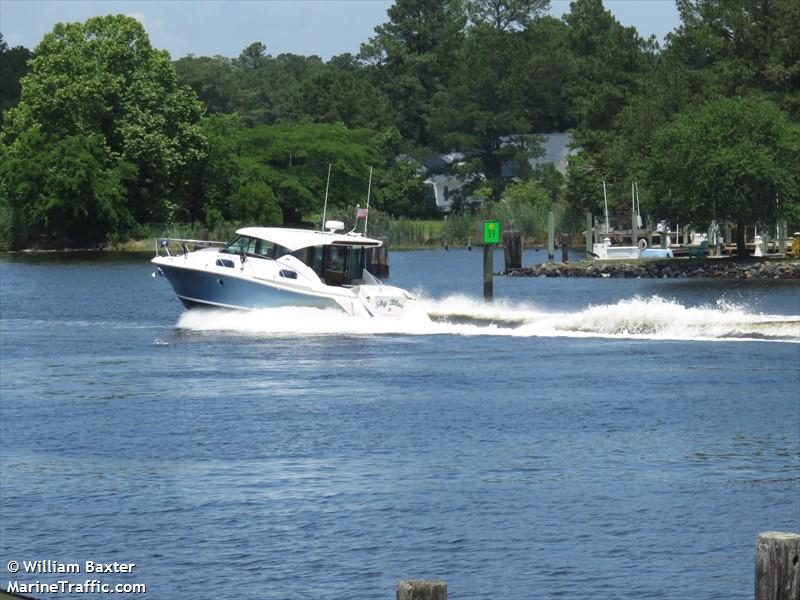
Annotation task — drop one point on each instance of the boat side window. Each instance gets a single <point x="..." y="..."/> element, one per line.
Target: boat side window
<point x="355" y="263"/>
<point x="265" y="249"/>
<point x="311" y="257"/>
<point x="334" y="262"/>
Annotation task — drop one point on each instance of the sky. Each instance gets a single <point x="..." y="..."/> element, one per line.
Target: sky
<point x="306" y="27"/>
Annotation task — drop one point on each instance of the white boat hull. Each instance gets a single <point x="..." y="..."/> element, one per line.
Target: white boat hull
<point x="199" y="283"/>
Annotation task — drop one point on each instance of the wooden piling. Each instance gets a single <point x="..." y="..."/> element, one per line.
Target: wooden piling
<point x="551" y="235"/>
<point x="564" y="248"/>
<point x="488" y="274"/>
<point x="420" y="589"/>
<point x="782" y="246"/>
<point x="589" y="231"/>
<point x="378" y="259"/>
<point x="512" y="249"/>
<point x="777" y="566"/>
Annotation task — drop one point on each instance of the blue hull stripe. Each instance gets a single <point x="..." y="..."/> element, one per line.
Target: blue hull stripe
<point x="203" y="287"/>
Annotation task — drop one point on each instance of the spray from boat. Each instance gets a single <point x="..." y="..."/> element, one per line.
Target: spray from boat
<point x="653" y="318"/>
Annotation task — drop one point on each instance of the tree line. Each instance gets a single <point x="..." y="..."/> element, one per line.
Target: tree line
<point x="102" y="133"/>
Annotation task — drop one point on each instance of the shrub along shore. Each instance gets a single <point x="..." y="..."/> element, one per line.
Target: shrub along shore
<point x="723" y="268"/>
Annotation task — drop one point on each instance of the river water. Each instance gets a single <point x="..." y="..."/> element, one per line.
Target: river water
<point x="593" y="438"/>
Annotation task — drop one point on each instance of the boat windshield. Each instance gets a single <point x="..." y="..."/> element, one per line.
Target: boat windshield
<point x="255" y="247"/>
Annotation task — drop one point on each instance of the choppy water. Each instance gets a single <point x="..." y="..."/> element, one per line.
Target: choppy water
<point x="576" y="438"/>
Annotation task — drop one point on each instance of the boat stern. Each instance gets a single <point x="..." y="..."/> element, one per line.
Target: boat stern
<point x="384" y="300"/>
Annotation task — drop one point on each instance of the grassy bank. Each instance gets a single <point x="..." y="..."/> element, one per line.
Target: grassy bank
<point x="402" y="233"/>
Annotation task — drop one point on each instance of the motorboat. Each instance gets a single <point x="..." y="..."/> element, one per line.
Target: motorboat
<point x="272" y="267"/>
<point x="606" y="251"/>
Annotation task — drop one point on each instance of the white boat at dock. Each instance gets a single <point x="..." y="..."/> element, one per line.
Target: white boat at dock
<point x="606" y="251"/>
<point x="272" y="267"/>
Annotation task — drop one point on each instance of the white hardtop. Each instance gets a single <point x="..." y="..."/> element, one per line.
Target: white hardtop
<point x="295" y="239"/>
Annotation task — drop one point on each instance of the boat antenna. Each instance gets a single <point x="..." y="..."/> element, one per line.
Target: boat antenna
<point x="369" y="189"/>
<point x="325" y="206"/>
<point x="605" y="201"/>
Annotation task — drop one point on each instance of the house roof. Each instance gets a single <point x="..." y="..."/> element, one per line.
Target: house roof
<point x="556" y="152"/>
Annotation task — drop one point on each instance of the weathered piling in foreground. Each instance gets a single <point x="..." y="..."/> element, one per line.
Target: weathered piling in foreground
<point x="777" y="566"/>
<point x="589" y="231"/>
<point x="512" y="249"/>
<point x="564" y="248"/>
<point x="488" y="274"/>
<point x="421" y="589"/>
<point x="551" y="235"/>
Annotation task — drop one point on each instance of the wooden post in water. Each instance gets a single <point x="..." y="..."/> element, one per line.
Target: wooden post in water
<point x="551" y="235"/>
<point x="634" y="228"/>
<point x="377" y="259"/>
<point x="564" y="248"/>
<point x="589" y="240"/>
<point x="782" y="237"/>
<point x="777" y="566"/>
<point x="512" y="249"/>
<point x="488" y="275"/>
<point x="728" y="238"/>
<point x="420" y="589"/>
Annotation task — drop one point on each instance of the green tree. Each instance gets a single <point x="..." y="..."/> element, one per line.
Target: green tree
<point x="411" y="58"/>
<point x="527" y="193"/>
<point x="342" y="93"/>
<point x="608" y="59"/>
<point x="219" y="176"/>
<point x="13" y="66"/>
<point x="610" y="69"/>
<point x="504" y="15"/>
<point x="266" y="89"/>
<point x="734" y="47"/>
<point x="402" y="193"/>
<point x="546" y="75"/>
<point x="210" y="78"/>
<point x="69" y="189"/>
<point x="292" y="160"/>
<point x="733" y="159"/>
<point x="483" y="104"/>
<point x="103" y="78"/>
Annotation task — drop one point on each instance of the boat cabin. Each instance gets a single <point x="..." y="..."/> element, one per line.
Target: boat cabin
<point x="336" y="259"/>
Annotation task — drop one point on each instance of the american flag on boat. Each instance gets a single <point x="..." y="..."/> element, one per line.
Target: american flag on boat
<point x="361" y="213"/>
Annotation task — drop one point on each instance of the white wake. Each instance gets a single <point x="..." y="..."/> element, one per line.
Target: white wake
<point x="637" y="318"/>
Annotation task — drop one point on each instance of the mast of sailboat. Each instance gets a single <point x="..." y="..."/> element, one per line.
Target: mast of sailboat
<point x="633" y="196"/>
<point x="605" y="202"/>
<point x="638" y="205"/>
<point x="325" y="206"/>
<point x="369" y="189"/>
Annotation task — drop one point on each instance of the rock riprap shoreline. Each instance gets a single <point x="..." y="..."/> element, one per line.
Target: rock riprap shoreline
<point x="677" y="268"/>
